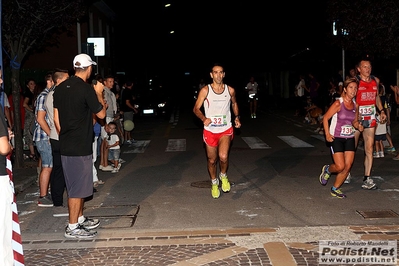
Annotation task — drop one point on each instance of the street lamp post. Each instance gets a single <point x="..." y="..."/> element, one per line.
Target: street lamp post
<point x="342" y="32"/>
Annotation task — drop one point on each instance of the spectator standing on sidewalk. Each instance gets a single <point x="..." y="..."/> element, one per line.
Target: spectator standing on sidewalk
<point x="97" y="134"/>
<point x="57" y="180"/>
<point x="300" y="99"/>
<point x="110" y="99"/>
<point x="29" y="97"/>
<point x="217" y="99"/>
<point x="5" y="105"/>
<point x="75" y="102"/>
<point x="42" y="141"/>
<point x="128" y="108"/>
<point x="340" y="133"/>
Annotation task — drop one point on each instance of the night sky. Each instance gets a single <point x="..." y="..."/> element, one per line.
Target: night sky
<point x="246" y="36"/>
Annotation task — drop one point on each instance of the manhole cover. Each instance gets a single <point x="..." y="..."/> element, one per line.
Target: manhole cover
<point x="202" y="184"/>
<point x="114" y="216"/>
<point x="206" y="184"/>
<point x="378" y="214"/>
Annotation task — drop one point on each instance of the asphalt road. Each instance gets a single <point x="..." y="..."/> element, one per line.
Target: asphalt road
<point x="164" y="184"/>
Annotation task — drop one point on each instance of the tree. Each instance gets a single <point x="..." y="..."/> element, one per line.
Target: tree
<point x="30" y="26"/>
<point x="370" y="27"/>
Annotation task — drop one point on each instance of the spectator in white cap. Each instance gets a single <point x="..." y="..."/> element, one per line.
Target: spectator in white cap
<point x="75" y="102"/>
<point x="82" y="61"/>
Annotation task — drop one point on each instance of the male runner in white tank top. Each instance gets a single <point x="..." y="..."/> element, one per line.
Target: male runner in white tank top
<point x="217" y="99"/>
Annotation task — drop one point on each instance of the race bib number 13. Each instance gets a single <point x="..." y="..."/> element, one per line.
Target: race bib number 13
<point x="347" y="131"/>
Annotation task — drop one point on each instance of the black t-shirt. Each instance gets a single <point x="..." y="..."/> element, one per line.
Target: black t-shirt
<point x="127" y="95"/>
<point x="28" y="94"/>
<point x="76" y="101"/>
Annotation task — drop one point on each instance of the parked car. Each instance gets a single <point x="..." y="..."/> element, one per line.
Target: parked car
<point x="154" y="100"/>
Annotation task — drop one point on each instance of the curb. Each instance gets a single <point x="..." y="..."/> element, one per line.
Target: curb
<point x="24" y="184"/>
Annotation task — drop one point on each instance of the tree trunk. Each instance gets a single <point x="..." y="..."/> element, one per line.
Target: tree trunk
<point x="18" y="132"/>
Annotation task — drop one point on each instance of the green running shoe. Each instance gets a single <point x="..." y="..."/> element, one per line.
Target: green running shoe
<point x="225" y="184"/>
<point x="337" y="193"/>
<point x="215" y="191"/>
<point x="324" y="176"/>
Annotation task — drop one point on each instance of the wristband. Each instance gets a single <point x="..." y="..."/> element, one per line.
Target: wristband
<point x="237" y="116"/>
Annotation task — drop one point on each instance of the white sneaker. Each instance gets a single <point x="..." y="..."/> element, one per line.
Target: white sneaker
<point x="369" y="184"/>
<point x="107" y="168"/>
<point x="79" y="232"/>
<point x="348" y="179"/>
<point x="115" y="170"/>
<point x="381" y="154"/>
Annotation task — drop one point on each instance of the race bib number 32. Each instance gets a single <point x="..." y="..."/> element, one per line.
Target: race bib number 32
<point x="219" y="120"/>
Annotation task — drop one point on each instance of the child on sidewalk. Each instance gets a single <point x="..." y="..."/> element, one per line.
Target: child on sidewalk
<point x="112" y="146"/>
<point x="379" y="138"/>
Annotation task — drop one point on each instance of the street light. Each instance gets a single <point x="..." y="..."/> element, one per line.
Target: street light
<point x="300" y="52"/>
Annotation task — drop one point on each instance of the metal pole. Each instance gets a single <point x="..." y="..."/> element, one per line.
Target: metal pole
<point x="79" y="37"/>
<point x="343" y="64"/>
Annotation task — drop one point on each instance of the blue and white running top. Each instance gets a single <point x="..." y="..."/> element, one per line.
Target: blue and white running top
<point x="341" y="122"/>
<point x="217" y="108"/>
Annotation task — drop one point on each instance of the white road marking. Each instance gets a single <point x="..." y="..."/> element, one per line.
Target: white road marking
<point x="139" y="147"/>
<point x="176" y="145"/>
<point x="255" y="143"/>
<point x="295" y="142"/>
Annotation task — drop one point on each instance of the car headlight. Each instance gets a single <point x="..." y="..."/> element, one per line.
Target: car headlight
<point x="161" y="105"/>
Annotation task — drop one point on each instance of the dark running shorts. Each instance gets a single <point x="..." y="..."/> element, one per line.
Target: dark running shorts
<point x="343" y="145"/>
<point x="380" y="137"/>
<point x="78" y="172"/>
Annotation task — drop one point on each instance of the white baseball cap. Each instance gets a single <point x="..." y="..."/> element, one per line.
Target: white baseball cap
<point x="83" y="60"/>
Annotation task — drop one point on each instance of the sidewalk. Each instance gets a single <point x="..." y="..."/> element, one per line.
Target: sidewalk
<point x="263" y="246"/>
<point x="25" y="177"/>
